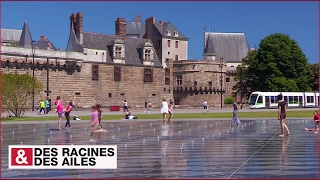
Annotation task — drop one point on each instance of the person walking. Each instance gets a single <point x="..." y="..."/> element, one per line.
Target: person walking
<point x="67" y="115"/>
<point x="94" y="121"/>
<point x="125" y="105"/>
<point x="164" y="109"/>
<point x="47" y="105"/>
<point x="282" y="115"/>
<point x="170" y="110"/>
<point x="205" y="106"/>
<point x="235" y="119"/>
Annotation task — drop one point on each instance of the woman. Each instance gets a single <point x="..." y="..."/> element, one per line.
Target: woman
<point x="164" y="109"/>
<point x="282" y="115"/>
<point x="60" y="108"/>
<point x="235" y="119"/>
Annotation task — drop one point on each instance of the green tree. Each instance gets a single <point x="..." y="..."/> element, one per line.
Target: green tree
<point x="17" y="91"/>
<point x="278" y="65"/>
<point x="313" y="71"/>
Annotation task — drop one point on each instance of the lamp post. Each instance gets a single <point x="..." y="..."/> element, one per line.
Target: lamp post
<point x="33" y="51"/>
<point x="221" y="65"/>
<point x="241" y="85"/>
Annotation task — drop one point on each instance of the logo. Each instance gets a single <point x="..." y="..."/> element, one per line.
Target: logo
<point x="21" y="157"/>
<point x="62" y="156"/>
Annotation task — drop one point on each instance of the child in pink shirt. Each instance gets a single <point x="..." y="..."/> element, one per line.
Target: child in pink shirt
<point x="67" y="115"/>
<point x="60" y="109"/>
<point x="94" y="121"/>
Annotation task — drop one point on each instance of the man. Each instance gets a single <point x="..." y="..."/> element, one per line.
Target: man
<point x="205" y="106"/>
<point x="282" y="107"/>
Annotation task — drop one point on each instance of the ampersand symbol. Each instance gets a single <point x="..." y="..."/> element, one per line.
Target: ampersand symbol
<point x="21" y="157"/>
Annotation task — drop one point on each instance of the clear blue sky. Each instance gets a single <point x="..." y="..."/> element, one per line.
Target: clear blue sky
<point x="300" y="20"/>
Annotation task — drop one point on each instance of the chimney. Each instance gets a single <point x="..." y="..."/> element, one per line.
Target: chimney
<point x="149" y="25"/>
<point x="121" y="29"/>
<point x="161" y="23"/>
<point x="73" y="22"/>
<point x="43" y="38"/>
<point x="79" y="23"/>
<point x="139" y="17"/>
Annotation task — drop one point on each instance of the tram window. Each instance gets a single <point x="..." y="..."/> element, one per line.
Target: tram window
<point x="310" y="99"/>
<point x="295" y="100"/>
<point x="276" y="99"/>
<point x="300" y="99"/>
<point x="291" y="100"/>
<point x="318" y="100"/>
<point x="260" y="99"/>
<point x="285" y="99"/>
<point x="272" y="99"/>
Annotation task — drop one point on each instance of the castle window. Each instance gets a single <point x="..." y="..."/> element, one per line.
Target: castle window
<point x="228" y="79"/>
<point x="167" y="80"/>
<point x="118" y="51"/>
<point x="177" y="44"/>
<point x="210" y="83"/>
<point x="175" y="33"/>
<point x="179" y="80"/>
<point x="169" y="43"/>
<point x="195" y="83"/>
<point x="148" y="75"/>
<point x="167" y="76"/>
<point x="95" y="72"/>
<point x="167" y="72"/>
<point x="176" y="58"/>
<point x="168" y="33"/>
<point x="117" y="73"/>
<point x="147" y="54"/>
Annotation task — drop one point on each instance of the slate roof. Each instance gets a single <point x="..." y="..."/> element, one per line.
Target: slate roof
<point x="136" y="27"/>
<point x="10" y="35"/>
<point x="46" y="44"/>
<point x="105" y="42"/>
<point x="25" y="39"/>
<point x="232" y="47"/>
<point x="168" y="26"/>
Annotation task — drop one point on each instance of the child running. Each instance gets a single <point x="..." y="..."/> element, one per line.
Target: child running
<point x="67" y="115"/>
<point x="60" y="108"/>
<point x="99" y="108"/>
<point x="316" y="119"/>
<point x="94" y="121"/>
<point x="170" y="110"/>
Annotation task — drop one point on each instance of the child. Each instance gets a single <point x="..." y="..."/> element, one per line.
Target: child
<point x="149" y="107"/>
<point x="59" y="110"/>
<point x="99" y="114"/>
<point x="170" y="110"/>
<point x="94" y="121"/>
<point x="67" y="115"/>
<point x="316" y="118"/>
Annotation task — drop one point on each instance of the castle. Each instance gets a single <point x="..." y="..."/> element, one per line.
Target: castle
<point x="139" y="62"/>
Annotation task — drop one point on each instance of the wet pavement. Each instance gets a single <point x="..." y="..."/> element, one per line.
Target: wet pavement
<point x="181" y="149"/>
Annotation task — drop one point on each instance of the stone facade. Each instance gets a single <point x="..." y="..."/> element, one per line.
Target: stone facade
<point x="197" y="81"/>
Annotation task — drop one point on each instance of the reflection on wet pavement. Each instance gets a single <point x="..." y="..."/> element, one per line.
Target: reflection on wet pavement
<point x="181" y="149"/>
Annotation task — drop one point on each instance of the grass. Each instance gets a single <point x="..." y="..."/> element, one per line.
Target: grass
<point x="263" y="114"/>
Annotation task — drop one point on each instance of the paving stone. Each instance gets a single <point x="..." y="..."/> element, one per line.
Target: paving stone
<point x="182" y="149"/>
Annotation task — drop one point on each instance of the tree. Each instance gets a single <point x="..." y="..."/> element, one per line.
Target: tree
<point x="17" y="91"/>
<point x="278" y="65"/>
<point x="313" y="71"/>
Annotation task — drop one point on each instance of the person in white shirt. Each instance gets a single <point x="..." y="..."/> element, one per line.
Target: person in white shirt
<point x="164" y="109"/>
<point x="125" y="105"/>
<point x="205" y="106"/>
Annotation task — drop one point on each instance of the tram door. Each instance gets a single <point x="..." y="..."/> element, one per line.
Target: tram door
<point x="267" y="101"/>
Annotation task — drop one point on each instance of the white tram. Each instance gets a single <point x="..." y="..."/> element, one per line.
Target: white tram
<point x="268" y="100"/>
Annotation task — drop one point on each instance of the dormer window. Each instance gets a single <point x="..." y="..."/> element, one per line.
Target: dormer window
<point x="118" y="51"/>
<point x="147" y="54"/>
<point x="175" y="33"/>
<point x="168" y="33"/>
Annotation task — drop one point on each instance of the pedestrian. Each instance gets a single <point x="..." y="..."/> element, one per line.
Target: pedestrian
<point x="316" y="118"/>
<point x="164" y="109"/>
<point x="146" y="105"/>
<point x="74" y="105"/>
<point x="205" y="106"/>
<point x="170" y="110"/>
<point x="47" y="105"/>
<point x="282" y="107"/>
<point x="42" y="106"/>
<point x="99" y="108"/>
<point x="59" y="110"/>
<point x="149" y="107"/>
<point x="94" y="121"/>
<point x="125" y="105"/>
<point x="235" y="119"/>
<point x="67" y="115"/>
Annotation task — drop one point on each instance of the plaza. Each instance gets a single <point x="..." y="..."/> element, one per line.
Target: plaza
<point x="185" y="148"/>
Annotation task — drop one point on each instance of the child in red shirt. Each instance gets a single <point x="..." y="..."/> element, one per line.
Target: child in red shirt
<point x="316" y="119"/>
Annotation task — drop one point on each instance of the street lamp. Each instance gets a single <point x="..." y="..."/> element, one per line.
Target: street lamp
<point x="241" y="85"/>
<point x="33" y="51"/>
<point x="221" y="66"/>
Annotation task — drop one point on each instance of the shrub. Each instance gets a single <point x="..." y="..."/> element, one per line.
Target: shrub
<point x="229" y="100"/>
